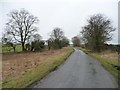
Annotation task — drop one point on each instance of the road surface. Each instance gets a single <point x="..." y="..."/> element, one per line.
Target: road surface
<point x="79" y="71"/>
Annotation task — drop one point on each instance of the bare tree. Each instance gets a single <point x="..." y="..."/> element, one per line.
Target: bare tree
<point x="57" y="35"/>
<point x="65" y="42"/>
<point x="50" y="43"/>
<point x="97" y="32"/>
<point x="21" y="26"/>
<point x="76" y="41"/>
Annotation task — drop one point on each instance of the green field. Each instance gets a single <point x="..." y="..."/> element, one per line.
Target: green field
<point x="8" y="49"/>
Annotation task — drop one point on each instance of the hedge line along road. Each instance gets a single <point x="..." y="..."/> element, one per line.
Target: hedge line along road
<point x="78" y="71"/>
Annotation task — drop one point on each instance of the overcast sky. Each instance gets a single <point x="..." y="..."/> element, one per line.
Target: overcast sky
<point x="70" y="15"/>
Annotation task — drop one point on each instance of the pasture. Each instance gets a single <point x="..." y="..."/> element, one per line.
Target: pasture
<point x="9" y="49"/>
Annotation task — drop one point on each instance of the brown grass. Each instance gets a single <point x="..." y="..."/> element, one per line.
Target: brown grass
<point x="15" y="65"/>
<point x="110" y="55"/>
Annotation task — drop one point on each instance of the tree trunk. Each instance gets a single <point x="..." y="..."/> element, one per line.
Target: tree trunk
<point x="14" y="49"/>
<point x="23" y="47"/>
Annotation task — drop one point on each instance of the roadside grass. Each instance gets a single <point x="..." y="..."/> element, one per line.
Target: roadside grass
<point x="38" y="72"/>
<point x="0" y="71"/>
<point x="108" y="63"/>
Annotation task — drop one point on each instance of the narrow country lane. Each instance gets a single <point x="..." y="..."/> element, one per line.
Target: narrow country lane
<point x="79" y="71"/>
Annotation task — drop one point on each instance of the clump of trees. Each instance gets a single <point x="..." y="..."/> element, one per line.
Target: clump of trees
<point x="97" y="32"/>
<point x="36" y="44"/>
<point x="57" y="39"/>
<point x="76" y="41"/>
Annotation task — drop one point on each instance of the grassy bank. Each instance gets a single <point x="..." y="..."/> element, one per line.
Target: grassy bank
<point x="109" y="63"/>
<point x="49" y="62"/>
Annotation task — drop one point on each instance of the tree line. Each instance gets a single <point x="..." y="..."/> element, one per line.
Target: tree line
<point x="22" y="28"/>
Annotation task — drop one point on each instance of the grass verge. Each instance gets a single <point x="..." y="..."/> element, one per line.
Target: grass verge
<point x="38" y="72"/>
<point x="108" y="64"/>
